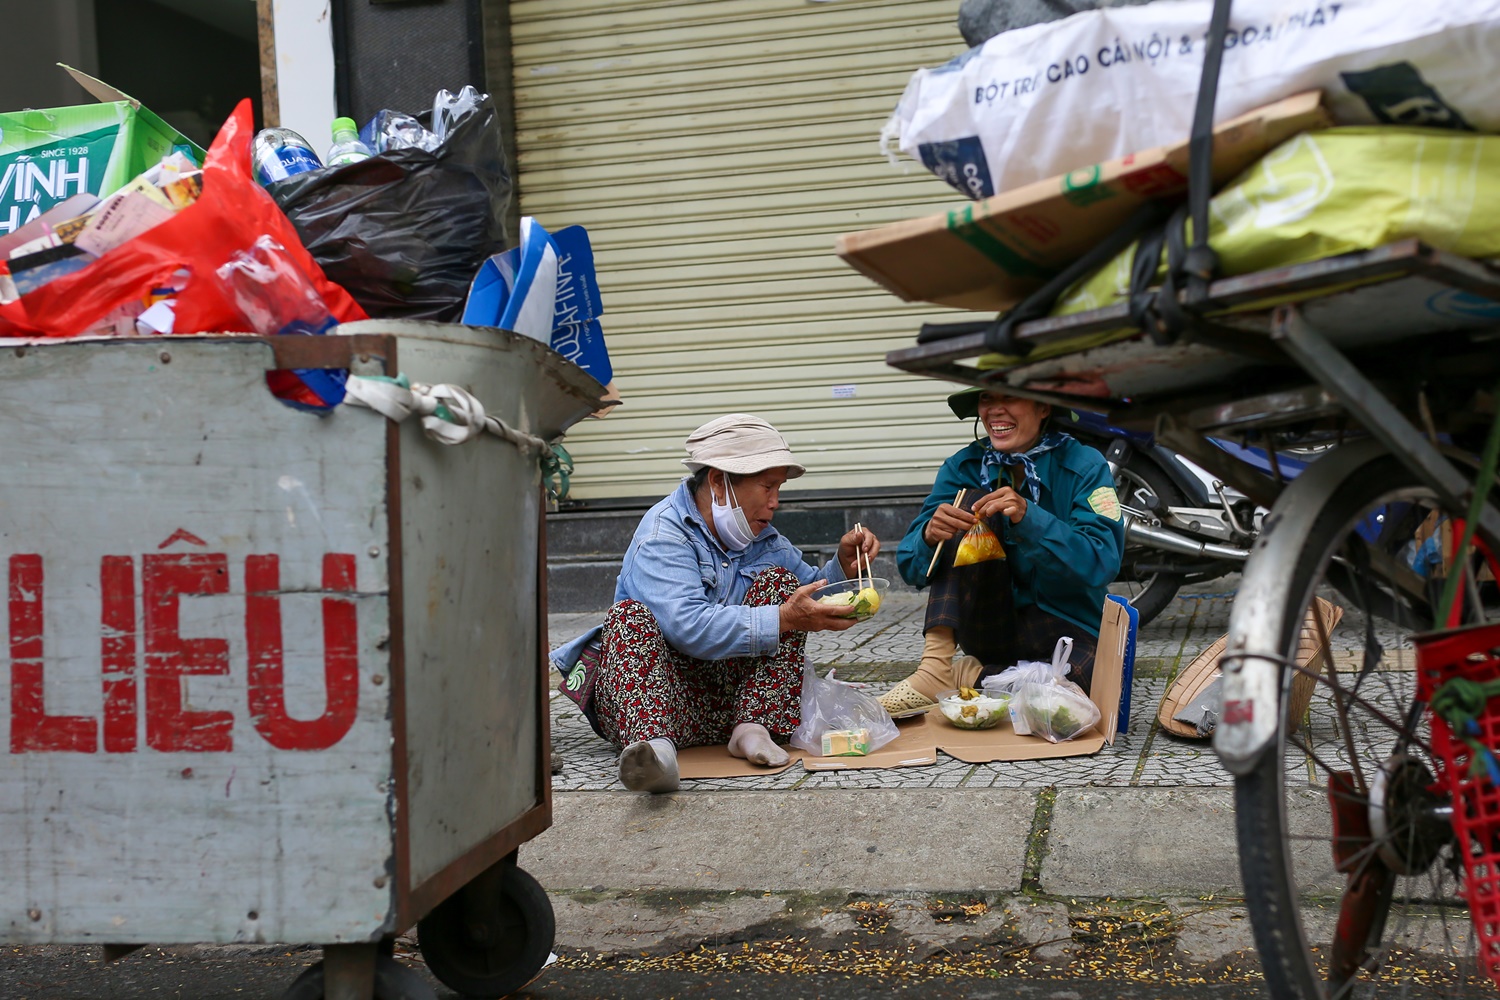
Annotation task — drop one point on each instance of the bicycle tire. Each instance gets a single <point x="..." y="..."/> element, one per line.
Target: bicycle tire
<point x="1296" y="965"/>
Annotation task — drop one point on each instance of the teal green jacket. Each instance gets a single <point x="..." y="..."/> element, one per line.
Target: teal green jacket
<point x="1063" y="554"/>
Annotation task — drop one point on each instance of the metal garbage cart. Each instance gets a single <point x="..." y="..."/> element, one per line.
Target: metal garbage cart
<point x="275" y="676"/>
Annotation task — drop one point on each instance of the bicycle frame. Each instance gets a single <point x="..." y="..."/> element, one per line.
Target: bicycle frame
<point x="1253" y="670"/>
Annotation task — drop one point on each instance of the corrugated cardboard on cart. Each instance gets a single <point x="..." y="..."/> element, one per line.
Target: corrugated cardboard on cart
<point x="989" y="254"/>
<point x="921" y="738"/>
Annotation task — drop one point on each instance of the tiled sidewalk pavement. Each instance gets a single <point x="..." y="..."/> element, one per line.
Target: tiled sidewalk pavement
<point x="886" y="649"/>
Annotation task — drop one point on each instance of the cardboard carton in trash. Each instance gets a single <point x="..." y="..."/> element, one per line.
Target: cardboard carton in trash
<point x="546" y="289"/>
<point x="52" y="154"/>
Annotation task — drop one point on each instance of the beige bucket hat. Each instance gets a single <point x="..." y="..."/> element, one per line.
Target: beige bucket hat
<point x="741" y="444"/>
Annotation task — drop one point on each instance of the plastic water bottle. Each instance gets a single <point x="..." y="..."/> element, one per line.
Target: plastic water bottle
<point x="278" y="153"/>
<point x="346" y="146"/>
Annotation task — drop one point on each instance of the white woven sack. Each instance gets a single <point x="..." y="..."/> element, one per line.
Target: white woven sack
<point x="1056" y="97"/>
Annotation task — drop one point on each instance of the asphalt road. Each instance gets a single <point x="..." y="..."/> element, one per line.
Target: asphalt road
<point x="262" y="974"/>
<point x="587" y="983"/>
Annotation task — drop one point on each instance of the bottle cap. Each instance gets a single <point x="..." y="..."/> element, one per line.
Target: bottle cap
<point x="344" y="125"/>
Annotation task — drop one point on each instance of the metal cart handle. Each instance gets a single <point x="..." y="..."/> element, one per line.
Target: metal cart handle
<point x="933" y="332"/>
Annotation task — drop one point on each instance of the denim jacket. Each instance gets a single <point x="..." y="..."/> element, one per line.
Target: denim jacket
<point x="694" y="587"/>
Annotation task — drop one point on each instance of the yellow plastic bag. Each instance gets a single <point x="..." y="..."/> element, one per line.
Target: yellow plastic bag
<point x="1341" y="189"/>
<point x="978" y="545"/>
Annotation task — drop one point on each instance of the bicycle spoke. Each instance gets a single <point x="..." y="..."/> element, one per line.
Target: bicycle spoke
<point x="1309" y="752"/>
<point x="1401" y="730"/>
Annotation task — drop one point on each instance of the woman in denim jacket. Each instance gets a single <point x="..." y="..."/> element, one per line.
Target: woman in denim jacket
<point x="705" y="642"/>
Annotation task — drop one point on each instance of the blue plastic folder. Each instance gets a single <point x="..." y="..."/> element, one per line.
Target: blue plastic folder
<point x="1127" y="669"/>
<point x="545" y="288"/>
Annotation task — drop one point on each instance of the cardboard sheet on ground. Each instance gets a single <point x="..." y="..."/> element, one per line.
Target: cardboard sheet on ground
<point x="989" y="254"/>
<point x="921" y="738"/>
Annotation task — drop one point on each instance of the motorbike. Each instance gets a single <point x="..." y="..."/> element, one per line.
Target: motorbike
<point x="1182" y="525"/>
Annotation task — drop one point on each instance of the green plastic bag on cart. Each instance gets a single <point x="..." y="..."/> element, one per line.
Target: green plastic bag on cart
<point x="1342" y="189"/>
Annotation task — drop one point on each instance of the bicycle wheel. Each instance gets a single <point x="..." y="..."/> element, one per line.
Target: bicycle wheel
<point x="1351" y="876"/>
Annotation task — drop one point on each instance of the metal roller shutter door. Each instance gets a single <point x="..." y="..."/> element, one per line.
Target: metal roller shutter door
<point x="714" y="150"/>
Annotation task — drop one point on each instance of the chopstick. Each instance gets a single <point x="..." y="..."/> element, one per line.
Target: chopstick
<point x="859" y="577"/>
<point x="939" y="550"/>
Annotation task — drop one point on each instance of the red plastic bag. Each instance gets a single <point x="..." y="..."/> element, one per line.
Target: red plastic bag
<point x="229" y="215"/>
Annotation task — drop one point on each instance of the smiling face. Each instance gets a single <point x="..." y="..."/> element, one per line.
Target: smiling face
<point x="1013" y="424"/>
<point x="758" y="495"/>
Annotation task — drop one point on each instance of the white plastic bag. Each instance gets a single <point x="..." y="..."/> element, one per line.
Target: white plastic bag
<point x="830" y="705"/>
<point x="1057" y="711"/>
<point x="1057" y="97"/>
<point x="1009" y="680"/>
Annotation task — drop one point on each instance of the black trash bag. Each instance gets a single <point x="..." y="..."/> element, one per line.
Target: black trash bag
<point x="405" y="231"/>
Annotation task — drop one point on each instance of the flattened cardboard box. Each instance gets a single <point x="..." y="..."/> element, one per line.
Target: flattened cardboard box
<point x="989" y="254"/>
<point x="921" y="738"/>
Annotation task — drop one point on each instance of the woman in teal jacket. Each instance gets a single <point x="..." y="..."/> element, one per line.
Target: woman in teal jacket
<point x="1051" y="500"/>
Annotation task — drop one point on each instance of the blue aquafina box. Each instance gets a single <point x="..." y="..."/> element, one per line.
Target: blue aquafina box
<point x="278" y="153"/>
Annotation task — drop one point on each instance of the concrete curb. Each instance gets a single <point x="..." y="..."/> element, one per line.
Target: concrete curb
<point x="1128" y="841"/>
<point x="923" y="871"/>
<point x="866" y="840"/>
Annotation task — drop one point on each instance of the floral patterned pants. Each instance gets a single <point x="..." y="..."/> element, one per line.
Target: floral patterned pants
<point x="646" y="689"/>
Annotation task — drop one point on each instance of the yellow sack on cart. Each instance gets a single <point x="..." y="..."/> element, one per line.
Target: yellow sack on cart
<point x="1339" y="190"/>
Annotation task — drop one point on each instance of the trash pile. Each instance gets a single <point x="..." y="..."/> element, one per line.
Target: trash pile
<point x="113" y="224"/>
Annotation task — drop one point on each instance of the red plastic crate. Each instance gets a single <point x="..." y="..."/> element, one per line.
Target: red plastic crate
<point x="1472" y="653"/>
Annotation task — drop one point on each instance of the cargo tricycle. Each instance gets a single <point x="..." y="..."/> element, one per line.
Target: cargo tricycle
<point x="1367" y="785"/>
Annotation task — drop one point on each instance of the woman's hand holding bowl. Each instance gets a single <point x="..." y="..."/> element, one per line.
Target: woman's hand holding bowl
<point x="803" y="613"/>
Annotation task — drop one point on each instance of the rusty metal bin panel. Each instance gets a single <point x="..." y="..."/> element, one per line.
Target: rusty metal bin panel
<point x="474" y="746"/>
<point x="221" y="688"/>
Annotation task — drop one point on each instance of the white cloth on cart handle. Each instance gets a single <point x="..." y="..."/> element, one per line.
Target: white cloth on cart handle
<point x="450" y="415"/>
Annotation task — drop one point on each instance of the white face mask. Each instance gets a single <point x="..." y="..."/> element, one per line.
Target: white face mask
<point x="729" y="521"/>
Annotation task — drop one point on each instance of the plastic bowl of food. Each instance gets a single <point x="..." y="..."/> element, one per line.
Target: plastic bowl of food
<point x="971" y="708"/>
<point x="862" y="597"/>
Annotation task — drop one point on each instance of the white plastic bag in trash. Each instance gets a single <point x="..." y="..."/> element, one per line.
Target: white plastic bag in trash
<point x="1058" y="97"/>
<point x="830" y="705"/>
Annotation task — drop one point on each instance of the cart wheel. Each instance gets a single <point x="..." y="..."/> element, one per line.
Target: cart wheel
<point x="501" y="952"/>
<point x="393" y="981"/>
